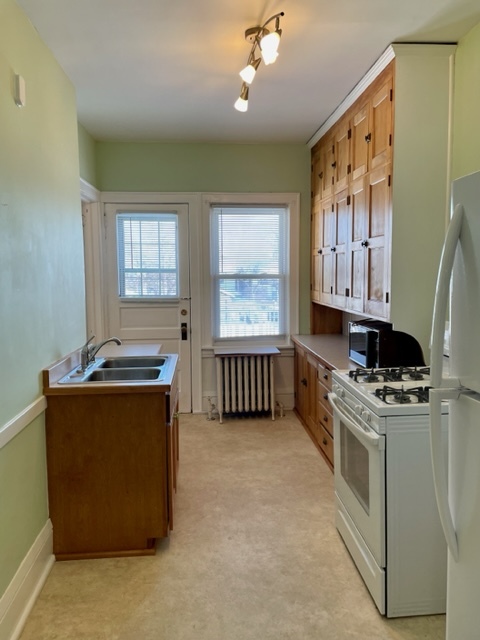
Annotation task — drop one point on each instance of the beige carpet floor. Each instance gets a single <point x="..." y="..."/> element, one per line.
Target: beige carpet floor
<point x="254" y="555"/>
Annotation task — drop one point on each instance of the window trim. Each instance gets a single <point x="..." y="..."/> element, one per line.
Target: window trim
<point x="292" y="202"/>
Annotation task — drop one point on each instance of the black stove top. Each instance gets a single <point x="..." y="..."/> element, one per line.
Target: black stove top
<point x="393" y="374"/>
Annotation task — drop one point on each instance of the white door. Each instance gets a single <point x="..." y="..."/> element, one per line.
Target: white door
<point x="148" y="282"/>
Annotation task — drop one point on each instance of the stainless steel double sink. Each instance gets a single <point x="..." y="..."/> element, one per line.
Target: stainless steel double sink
<point x="119" y="369"/>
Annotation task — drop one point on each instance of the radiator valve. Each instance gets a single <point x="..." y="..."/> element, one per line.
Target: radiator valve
<point x="211" y="408"/>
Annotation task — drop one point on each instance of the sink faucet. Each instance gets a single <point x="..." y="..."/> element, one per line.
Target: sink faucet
<point x="88" y="352"/>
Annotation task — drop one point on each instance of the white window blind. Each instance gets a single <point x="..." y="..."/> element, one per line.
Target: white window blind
<point x="147" y="255"/>
<point x="249" y="269"/>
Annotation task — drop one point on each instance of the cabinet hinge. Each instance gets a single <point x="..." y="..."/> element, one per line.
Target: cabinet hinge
<point x="349" y="198"/>
<point x="347" y="292"/>
<point x="391" y="95"/>
<point x="333" y="207"/>
<point x="349" y="168"/>
<point x="389" y="180"/>
<point x="333" y="148"/>
<point x="349" y="135"/>
<point x="387" y="297"/>
<point x="390" y="140"/>
<point x="331" y="289"/>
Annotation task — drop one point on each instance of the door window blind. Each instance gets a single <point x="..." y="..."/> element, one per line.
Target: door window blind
<point x="147" y="245"/>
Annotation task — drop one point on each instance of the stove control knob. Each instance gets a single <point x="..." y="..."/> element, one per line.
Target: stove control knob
<point x="358" y="409"/>
<point x="366" y="416"/>
<point x="339" y="391"/>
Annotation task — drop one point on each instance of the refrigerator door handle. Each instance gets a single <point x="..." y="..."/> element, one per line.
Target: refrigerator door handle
<point x="439" y="466"/>
<point x="442" y="295"/>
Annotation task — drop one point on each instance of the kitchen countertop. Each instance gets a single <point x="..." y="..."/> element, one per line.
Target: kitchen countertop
<point x="332" y="348"/>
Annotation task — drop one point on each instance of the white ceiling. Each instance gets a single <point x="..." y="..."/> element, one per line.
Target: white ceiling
<point x="167" y="70"/>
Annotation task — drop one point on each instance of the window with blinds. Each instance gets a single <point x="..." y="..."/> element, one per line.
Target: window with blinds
<point x="249" y="269"/>
<point x="147" y="245"/>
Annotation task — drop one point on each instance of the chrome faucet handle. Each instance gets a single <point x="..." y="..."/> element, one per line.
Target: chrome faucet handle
<point x="85" y="353"/>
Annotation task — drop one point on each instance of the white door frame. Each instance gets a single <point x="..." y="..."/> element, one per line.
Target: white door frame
<point x="94" y="234"/>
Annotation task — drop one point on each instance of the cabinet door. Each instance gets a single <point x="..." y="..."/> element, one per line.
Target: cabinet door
<point x="339" y="247"/>
<point x="381" y="126"/>
<point x="360" y="127"/>
<point x="327" y="166"/>
<point x="327" y="217"/>
<point x="357" y="234"/>
<point x="316" y="178"/>
<point x="316" y="251"/>
<point x="341" y="161"/>
<point x="377" y="257"/>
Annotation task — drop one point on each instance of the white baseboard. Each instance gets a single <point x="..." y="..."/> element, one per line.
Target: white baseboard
<point x="21" y="594"/>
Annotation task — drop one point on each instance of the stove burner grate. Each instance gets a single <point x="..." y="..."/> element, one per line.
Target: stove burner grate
<point x="390" y="395"/>
<point x="393" y="374"/>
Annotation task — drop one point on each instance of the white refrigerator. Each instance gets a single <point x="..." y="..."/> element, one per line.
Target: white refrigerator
<point x="457" y="485"/>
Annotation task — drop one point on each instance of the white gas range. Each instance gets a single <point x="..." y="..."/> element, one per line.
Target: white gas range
<point x="385" y="500"/>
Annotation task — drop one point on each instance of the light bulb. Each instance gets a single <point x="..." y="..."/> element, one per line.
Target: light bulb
<point x="248" y="73"/>
<point x="269" y="45"/>
<point x="242" y="103"/>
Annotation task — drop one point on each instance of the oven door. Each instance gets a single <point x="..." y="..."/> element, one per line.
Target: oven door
<point x="360" y="475"/>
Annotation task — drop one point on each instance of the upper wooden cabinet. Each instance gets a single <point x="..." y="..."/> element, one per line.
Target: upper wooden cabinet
<point x="381" y="165"/>
<point x="350" y="261"/>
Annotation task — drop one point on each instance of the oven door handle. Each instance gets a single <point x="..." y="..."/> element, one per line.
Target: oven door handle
<point x="367" y="438"/>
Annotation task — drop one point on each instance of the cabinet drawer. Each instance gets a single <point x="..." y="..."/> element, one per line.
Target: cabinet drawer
<point x="322" y="396"/>
<point x="324" y="376"/>
<point x="325" y="418"/>
<point x="325" y="442"/>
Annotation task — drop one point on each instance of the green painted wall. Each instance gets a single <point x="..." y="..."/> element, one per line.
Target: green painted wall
<point x="466" y="128"/>
<point x="42" y="301"/>
<point x="86" y="151"/>
<point x="217" y="168"/>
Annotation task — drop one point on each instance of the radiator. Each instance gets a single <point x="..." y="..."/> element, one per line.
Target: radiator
<point x="245" y="384"/>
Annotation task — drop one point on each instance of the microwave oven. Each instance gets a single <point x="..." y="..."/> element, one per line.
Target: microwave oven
<point x="375" y="344"/>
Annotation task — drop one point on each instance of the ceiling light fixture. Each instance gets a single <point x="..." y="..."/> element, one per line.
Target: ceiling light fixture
<point x="267" y="41"/>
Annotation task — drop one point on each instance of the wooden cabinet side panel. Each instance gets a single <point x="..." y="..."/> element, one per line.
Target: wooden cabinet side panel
<point x="106" y="471"/>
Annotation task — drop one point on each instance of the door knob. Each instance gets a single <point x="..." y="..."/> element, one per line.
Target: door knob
<point x="184" y="330"/>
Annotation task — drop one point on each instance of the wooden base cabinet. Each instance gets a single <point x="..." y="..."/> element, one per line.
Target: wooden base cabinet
<point x="312" y="385"/>
<point x="112" y="461"/>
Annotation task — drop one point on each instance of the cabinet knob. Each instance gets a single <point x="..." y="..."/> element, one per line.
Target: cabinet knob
<point x="325" y="396"/>
<point x="368" y="138"/>
<point x="320" y="175"/>
<point x="333" y="249"/>
<point x="304" y="382"/>
<point x="365" y="243"/>
<point x="320" y="251"/>
<point x="325" y="418"/>
<point x="325" y="441"/>
<point x="325" y="376"/>
<point x="334" y="164"/>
